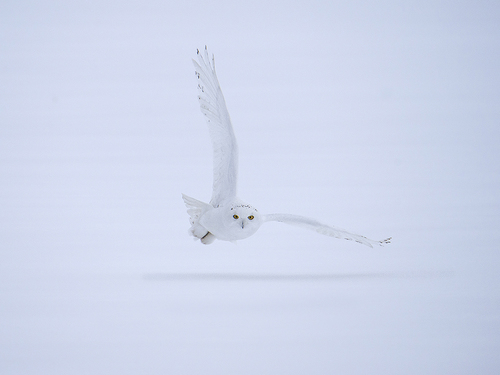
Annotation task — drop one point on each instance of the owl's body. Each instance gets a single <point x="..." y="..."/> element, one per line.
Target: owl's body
<point x="227" y="217"/>
<point x="233" y="221"/>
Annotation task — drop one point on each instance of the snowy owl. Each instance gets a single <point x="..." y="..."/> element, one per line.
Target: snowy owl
<point x="227" y="217"/>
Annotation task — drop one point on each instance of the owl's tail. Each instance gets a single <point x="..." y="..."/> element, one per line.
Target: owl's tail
<point x="195" y="210"/>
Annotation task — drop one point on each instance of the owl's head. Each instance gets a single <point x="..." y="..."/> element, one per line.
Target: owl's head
<point x="243" y="220"/>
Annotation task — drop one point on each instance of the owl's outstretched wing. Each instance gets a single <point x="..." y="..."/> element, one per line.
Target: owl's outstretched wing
<point x="321" y="228"/>
<point x="213" y="106"/>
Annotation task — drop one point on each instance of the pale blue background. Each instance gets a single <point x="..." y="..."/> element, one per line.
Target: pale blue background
<point x="381" y="117"/>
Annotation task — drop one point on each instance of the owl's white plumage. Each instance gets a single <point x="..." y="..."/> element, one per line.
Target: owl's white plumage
<point x="227" y="217"/>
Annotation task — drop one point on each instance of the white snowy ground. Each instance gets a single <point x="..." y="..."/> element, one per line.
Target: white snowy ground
<point x="380" y="118"/>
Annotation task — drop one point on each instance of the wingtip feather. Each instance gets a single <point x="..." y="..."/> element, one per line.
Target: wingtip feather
<point x="386" y="241"/>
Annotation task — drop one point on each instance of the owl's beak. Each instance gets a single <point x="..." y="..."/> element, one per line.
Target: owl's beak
<point x="242" y="225"/>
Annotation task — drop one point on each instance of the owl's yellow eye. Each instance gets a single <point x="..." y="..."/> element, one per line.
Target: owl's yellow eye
<point x="236" y="216"/>
<point x="250" y="217"/>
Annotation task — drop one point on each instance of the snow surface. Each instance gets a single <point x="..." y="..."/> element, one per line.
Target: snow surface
<point x="382" y="118"/>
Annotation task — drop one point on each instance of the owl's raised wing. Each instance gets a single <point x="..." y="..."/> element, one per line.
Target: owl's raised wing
<point x="321" y="228"/>
<point x="225" y="149"/>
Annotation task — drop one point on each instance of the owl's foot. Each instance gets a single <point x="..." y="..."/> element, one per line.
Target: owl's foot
<point x="207" y="239"/>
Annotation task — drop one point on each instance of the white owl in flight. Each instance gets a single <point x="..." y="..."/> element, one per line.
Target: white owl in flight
<point x="227" y="217"/>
